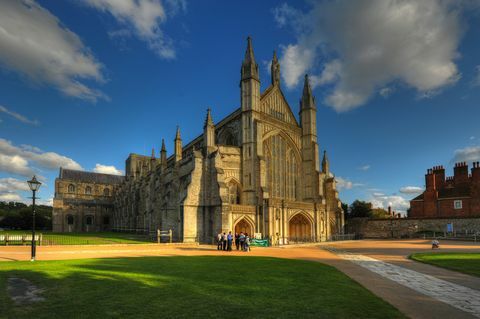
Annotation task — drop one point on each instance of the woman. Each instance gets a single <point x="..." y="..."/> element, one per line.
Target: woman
<point x="237" y="241"/>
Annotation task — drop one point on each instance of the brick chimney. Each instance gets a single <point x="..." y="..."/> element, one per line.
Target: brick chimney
<point x="460" y="173"/>
<point x="430" y="180"/>
<point x="476" y="172"/>
<point x="439" y="173"/>
<point x="430" y="195"/>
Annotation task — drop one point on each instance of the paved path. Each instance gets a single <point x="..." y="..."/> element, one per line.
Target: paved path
<point x="417" y="290"/>
<point x="461" y="297"/>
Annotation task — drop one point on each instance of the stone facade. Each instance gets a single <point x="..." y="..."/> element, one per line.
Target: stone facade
<point x="456" y="196"/>
<point x="83" y="201"/>
<point x="257" y="171"/>
<point x="407" y="227"/>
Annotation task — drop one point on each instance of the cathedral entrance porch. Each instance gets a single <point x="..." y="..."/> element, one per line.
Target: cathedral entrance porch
<point x="300" y="229"/>
<point x="244" y="226"/>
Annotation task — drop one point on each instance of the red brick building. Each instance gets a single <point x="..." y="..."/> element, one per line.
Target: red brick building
<point x="455" y="196"/>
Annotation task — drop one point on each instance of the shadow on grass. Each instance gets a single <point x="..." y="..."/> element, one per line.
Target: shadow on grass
<point x="191" y="287"/>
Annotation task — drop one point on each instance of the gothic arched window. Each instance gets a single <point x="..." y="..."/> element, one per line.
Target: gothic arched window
<point x="88" y="190"/>
<point x="233" y="193"/>
<point x="282" y="168"/>
<point x="71" y="188"/>
<point x="69" y="219"/>
<point x="106" y="192"/>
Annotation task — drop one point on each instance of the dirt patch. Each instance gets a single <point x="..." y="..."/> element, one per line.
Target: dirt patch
<point x="23" y="291"/>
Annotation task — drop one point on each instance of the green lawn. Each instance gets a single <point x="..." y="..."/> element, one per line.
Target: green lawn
<point x="190" y="287"/>
<point x="468" y="263"/>
<point x="100" y="238"/>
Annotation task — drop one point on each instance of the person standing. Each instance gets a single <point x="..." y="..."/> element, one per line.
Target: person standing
<point x="247" y="243"/>
<point x="241" y="239"/>
<point x="229" y="241"/>
<point x="224" y="241"/>
<point x="219" y="241"/>
<point x="237" y="240"/>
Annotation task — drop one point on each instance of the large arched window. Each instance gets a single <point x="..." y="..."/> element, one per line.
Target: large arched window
<point x="282" y="168"/>
<point x="228" y="138"/>
<point x="106" y="192"/>
<point x="88" y="190"/>
<point x="233" y="193"/>
<point x="71" y="188"/>
<point x="69" y="219"/>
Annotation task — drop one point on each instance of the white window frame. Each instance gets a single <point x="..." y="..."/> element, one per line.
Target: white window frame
<point x="457" y="204"/>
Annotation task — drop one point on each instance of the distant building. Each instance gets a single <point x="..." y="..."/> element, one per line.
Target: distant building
<point x="456" y="196"/>
<point x="83" y="201"/>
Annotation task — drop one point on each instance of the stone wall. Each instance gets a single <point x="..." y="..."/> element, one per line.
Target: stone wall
<point x="407" y="227"/>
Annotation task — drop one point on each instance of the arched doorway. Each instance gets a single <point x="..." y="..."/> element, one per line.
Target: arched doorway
<point x="244" y="226"/>
<point x="299" y="229"/>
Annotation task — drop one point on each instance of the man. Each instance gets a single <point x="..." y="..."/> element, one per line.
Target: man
<point x="229" y="241"/>
<point x="237" y="240"/>
<point x="219" y="241"/>
<point x="224" y="241"/>
<point x="241" y="240"/>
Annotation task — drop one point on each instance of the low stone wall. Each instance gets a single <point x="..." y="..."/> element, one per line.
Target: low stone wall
<point x="408" y="227"/>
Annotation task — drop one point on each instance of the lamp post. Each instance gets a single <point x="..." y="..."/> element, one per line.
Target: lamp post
<point x="34" y="185"/>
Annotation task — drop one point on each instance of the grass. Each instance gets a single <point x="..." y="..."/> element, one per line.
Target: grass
<point x="190" y="287"/>
<point x="100" y="238"/>
<point x="467" y="263"/>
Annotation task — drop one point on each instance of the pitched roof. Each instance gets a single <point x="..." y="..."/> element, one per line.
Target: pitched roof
<point x="90" y="177"/>
<point x="450" y="192"/>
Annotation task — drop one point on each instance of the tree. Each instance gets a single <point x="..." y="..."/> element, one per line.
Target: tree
<point x="379" y="213"/>
<point x="360" y="209"/>
<point x="19" y="216"/>
<point x="345" y="210"/>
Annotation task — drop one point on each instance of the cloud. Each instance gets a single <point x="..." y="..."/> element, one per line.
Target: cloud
<point x="19" y="159"/>
<point x="467" y="154"/>
<point x="373" y="44"/>
<point x="364" y="167"/>
<point x="144" y="19"/>
<point x="472" y="138"/>
<point x="12" y="184"/>
<point x="398" y="203"/>
<point x="34" y="43"/>
<point x="343" y="183"/>
<point x="17" y="116"/>
<point x="105" y="169"/>
<point x="10" y="197"/>
<point x="411" y="190"/>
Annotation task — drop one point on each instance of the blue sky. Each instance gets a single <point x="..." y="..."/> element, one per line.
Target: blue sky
<point x="85" y="83"/>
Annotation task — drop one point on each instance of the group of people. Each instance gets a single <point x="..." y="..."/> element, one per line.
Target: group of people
<point x="225" y="241"/>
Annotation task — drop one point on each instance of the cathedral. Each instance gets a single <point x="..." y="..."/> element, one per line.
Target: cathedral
<point x="257" y="170"/>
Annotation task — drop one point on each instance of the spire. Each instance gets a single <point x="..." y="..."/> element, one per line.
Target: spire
<point x="153" y="153"/>
<point x="249" y="56"/>
<point x="325" y="163"/>
<point x="208" y="120"/>
<point x="308" y="100"/>
<point x="163" y="146"/>
<point x="275" y="69"/>
<point x="163" y="156"/>
<point x="178" y="145"/>
<point x="177" y="135"/>
<point x="249" y="66"/>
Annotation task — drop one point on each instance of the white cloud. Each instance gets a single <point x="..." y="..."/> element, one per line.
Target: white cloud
<point x="472" y="138"/>
<point x="398" y="203"/>
<point x="467" y="154"/>
<point x="106" y="169"/>
<point x="411" y="190"/>
<point x="19" y="159"/>
<point x="10" y="197"/>
<point x="374" y="43"/>
<point x="386" y="91"/>
<point x="12" y="184"/>
<point x="343" y="183"/>
<point x="34" y="43"/>
<point x="144" y="19"/>
<point x="18" y="116"/>
<point x="364" y="167"/>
